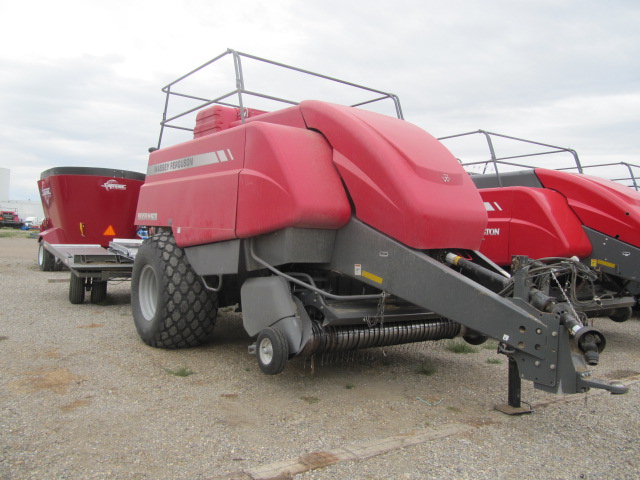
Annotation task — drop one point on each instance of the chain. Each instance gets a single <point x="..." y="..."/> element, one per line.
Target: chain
<point x="565" y="295"/>
<point x="378" y="319"/>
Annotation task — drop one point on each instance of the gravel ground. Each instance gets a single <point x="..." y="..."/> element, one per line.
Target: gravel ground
<point x="81" y="397"/>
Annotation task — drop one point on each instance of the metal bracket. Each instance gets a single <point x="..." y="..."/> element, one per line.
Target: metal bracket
<point x="212" y="289"/>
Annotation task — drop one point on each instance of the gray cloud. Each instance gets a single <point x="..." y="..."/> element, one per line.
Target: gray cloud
<point x="73" y="112"/>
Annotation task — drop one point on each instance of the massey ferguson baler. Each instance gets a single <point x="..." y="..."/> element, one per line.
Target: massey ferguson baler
<point x="335" y="229"/>
<point x="560" y="214"/>
<point x="553" y="215"/>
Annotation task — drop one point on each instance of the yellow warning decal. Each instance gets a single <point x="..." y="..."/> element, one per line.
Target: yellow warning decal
<point x="109" y="232"/>
<point x="604" y="263"/>
<point x="372" y="277"/>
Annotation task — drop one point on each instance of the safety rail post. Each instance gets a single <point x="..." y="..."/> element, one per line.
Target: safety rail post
<point x="396" y="102"/>
<point x="575" y="157"/>
<point x="492" y="152"/>
<point x="237" y="64"/>
<point x="631" y="175"/>
<point x="164" y="116"/>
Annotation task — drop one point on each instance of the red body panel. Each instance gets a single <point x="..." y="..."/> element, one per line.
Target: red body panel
<point x="289" y="180"/>
<point x="88" y="208"/>
<point x="277" y="173"/>
<point x="536" y="222"/>
<point x="193" y="187"/>
<point x="269" y="181"/>
<point x="602" y="205"/>
<point x="402" y="181"/>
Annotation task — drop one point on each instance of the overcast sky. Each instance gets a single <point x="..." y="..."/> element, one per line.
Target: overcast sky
<point x="80" y="81"/>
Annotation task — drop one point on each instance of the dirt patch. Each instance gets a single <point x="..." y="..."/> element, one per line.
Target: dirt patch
<point x="81" y="402"/>
<point x="58" y="381"/>
<point x="318" y="459"/>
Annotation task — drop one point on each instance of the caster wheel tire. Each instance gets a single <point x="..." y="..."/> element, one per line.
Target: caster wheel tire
<point x="272" y="351"/>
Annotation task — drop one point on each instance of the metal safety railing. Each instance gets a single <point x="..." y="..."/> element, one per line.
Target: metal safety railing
<point x="496" y="164"/>
<point x="237" y="97"/>
<point x="631" y="180"/>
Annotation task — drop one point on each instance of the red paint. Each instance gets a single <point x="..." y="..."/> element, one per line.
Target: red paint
<point x="603" y="205"/>
<point x="536" y="222"/>
<point x="288" y="180"/>
<point x="402" y="181"/>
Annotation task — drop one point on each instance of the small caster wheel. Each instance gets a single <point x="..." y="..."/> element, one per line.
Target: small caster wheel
<point x="272" y="351"/>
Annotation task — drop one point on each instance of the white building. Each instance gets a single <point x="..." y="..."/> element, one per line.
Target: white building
<point x="24" y="209"/>
<point x="5" y="183"/>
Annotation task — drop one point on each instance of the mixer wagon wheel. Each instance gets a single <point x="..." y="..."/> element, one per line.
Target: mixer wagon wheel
<point x="98" y="291"/>
<point x="272" y="351"/>
<point x="171" y="306"/>
<point x="76" y="289"/>
<point x="621" y="314"/>
<point x="46" y="260"/>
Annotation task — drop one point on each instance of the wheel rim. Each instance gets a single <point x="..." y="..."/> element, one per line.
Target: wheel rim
<point x="40" y="255"/>
<point x="148" y="292"/>
<point x="265" y="351"/>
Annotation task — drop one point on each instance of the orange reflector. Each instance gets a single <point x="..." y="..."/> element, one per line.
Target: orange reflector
<point x="109" y="232"/>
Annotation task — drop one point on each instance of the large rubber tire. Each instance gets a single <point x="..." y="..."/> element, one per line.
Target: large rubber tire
<point x="46" y="260"/>
<point x="272" y="351"/>
<point x="98" y="291"/>
<point x="76" y="289"/>
<point x="171" y="308"/>
<point x="621" y="314"/>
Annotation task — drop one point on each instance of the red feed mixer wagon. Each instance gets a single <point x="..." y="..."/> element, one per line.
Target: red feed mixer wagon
<point x="86" y="209"/>
<point x="334" y="228"/>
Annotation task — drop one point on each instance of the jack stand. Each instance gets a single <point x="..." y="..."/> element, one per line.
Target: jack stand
<point x="513" y="407"/>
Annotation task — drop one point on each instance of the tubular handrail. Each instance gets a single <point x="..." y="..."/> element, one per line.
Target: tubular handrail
<point x="496" y="161"/>
<point x="171" y="90"/>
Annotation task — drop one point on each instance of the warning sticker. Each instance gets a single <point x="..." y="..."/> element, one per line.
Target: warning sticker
<point x="371" y="276"/>
<point x="357" y="269"/>
<point x="604" y="263"/>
